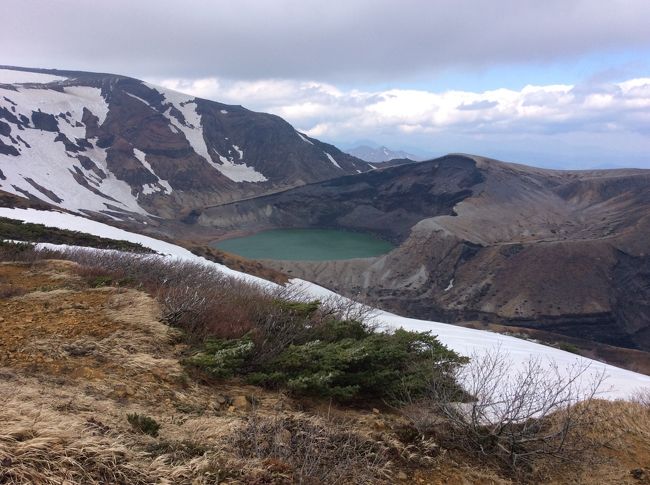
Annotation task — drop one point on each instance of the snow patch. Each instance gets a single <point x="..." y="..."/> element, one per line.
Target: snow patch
<point x="9" y="76"/>
<point x="143" y="101"/>
<point x="223" y="112"/>
<point x="48" y="164"/>
<point x="303" y="138"/>
<point x="331" y="158"/>
<point x="450" y="285"/>
<point x="92" y="99"/>
<point x="238" y="172"/>
<point x="161" y="185"/>
<point x="191" y="128"/>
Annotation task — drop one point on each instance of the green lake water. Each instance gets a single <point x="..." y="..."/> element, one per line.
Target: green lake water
<point x="305" y="245"/>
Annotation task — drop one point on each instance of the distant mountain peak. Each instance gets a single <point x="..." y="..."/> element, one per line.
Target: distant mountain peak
<point x="380" y="154"/>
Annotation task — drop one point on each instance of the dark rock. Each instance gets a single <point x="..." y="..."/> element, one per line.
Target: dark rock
<point x="45" y="121"/>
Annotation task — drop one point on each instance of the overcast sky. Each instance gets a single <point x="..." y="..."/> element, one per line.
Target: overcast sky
<point x="562" y="83"/>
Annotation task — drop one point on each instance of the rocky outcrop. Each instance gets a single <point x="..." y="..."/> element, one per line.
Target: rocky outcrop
<point x="386" y="202"/>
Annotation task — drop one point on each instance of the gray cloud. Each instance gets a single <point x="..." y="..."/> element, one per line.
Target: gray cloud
<point x="364" y="40"/>
<point x="590" y="123"/>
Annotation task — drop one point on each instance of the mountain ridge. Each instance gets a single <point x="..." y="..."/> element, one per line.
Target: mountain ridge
<point x="127" y="147"/>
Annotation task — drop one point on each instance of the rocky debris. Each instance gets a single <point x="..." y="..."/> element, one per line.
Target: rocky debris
<point x="122" y="391"/>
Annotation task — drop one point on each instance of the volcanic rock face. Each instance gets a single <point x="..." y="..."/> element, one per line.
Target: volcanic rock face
<point x="109" y="144"/>
<point x="386" y="202"/>
<point x="567" y="252"/>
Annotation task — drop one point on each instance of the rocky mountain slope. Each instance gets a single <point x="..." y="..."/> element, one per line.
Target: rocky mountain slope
<point x="117" y="146"/>
<point x="562" y="251"/>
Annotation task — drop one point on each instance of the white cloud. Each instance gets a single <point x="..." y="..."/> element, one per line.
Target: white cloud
<point x="313" y="106"/>
<point x="587" y="114"/>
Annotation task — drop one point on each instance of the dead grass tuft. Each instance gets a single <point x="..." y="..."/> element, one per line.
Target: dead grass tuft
<point x="312" y="450"/>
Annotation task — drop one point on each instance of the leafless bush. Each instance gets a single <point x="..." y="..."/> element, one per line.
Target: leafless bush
<point x="513" y="416"/>
<point x="642" y="397"/>
<point x="194" y="296"/>
<point x="315" y="450"/>
<point x="344" y="308"/>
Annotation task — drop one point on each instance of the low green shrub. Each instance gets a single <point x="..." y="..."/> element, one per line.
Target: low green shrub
<point x="568" y="347"/>
<point x="298" y="308"/>
<point x="101" y="281"/>
<point x="15" y="251"/>
<point x="29" y="232"/>
<point x="358" y="363"/>
<point x="222" y="358"/>
<point x="143" y="424"/>
<point x="345" y="360"/>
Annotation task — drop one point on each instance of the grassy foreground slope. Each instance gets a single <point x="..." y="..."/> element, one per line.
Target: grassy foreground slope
<point x="97" y="389"/>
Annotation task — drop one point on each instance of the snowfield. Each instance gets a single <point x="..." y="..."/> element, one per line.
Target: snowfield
<point x="620" y="383"/>
<point x="45" y="163"/>
<point x="331" y="159"/>
<point x="9" y="76"/>
<point x="40" y="164"/>
<point x="192" y="128"/>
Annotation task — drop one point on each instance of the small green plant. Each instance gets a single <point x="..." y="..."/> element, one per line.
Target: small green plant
<point x="342" y="359"/>
<point x="298" y="308"/>
<point x="568" y="347"/>
<point x="101" y="281"/>
<point x="143" y="424"/>
<point x="222" y="358"/>
<point x="177" y="452"/>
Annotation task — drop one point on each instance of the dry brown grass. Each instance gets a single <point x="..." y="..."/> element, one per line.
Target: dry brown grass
<point x="309" y="449"/>
<point x="75" y="361"/>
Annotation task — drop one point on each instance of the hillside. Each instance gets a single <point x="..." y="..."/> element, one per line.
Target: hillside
<point x="560" y="251"/>
<point x="115" y="146"/>
<point x="97" y="389"/>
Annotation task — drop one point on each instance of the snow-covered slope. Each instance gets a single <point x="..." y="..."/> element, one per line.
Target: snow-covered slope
<point x="620" y="383"/>
<point x="103" y="143"/>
